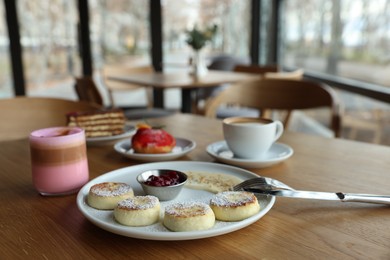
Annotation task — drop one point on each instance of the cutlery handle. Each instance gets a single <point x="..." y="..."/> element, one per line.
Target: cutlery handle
<point x="369" y="198"/>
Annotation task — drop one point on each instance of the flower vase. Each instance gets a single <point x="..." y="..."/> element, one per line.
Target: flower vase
<point x="199" y="67"/>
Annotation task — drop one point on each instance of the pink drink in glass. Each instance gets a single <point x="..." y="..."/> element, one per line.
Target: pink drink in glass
<point x="59" y="160"/>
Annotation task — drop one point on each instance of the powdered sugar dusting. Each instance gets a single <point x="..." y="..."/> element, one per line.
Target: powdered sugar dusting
<point x="186" y="209"/>
<point x="233" y="199"/>
<point x="110" y="189"/>
<point x="139" y="203"/>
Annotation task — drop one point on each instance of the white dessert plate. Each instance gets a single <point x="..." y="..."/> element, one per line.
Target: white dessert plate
<point x="277" y="153"/>
<point x="183" y="146"/>
<point x="128" y="131"/>
<point x="105" y="219"/>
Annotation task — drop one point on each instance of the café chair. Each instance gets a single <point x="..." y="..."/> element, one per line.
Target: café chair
<point x="22" y="115"/>
<point x="87" y="90"/>
<point x="225" y="62"/>
<point x="113" y="86"/>
<point x="222" y="62"/>
<point x="265" y="95"/>
<point x="245" y="68"/>
<point x="267" y="71"/>
<point x="205" y="95"/>
<point x="295" y="74"/>
<point x="257" y="69"/>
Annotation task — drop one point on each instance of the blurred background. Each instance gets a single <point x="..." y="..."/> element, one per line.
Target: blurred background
<point x="341" y="41"/>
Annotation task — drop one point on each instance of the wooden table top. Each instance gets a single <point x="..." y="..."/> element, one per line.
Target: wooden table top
<point x="40" y="227"/>
<point x="183" y="79"/>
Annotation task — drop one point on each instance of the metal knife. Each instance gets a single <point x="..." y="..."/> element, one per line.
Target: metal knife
<point x="337" y="196"/>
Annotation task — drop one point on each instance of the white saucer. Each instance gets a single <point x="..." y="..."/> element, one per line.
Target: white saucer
<point x="103" y="140"/>
<point x="277" y="153"/>
<point x="183" y="146"/>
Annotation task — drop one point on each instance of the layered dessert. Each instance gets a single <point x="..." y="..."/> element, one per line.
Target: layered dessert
<point x="98" y="123"/>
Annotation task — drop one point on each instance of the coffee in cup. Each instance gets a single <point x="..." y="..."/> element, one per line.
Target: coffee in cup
<point x="251" y="138"/>
<point x="58" y="160"/>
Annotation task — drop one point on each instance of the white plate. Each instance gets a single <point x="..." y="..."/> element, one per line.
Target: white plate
<point x="129" y="131"/>
<point x="277" y="153"/>
<point x="105" y="220"/>
<point x="183" y="146"/>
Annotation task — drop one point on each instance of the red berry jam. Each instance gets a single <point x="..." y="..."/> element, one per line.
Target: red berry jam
<point x="171" y="178"/>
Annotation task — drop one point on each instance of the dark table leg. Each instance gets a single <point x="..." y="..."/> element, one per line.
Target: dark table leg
<point x="186" y="100"/>
<point x="158" y="98"/>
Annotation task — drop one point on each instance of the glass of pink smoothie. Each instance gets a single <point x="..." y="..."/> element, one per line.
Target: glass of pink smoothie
<point x="58" y="160"/>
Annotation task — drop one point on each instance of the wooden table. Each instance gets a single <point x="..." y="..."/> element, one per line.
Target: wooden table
<point x="37" y="227"/>
<point x="187" y="83"/>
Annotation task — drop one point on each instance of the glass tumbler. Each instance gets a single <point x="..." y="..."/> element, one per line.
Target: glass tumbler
<point x="58" y="160"/>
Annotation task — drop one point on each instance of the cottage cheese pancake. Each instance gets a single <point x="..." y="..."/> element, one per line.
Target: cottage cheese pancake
<point x="213" y="182"/>
<point x="188" y="216"/>
<point x="234" y="205"/>
<point x="106" y="195"/>
<point x="138" y="211"/>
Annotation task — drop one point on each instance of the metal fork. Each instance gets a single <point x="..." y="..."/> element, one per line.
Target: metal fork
<point x="261" y="183"/>
<point x="268" y="186"/>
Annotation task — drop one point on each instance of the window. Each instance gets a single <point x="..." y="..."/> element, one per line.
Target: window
<point x="119" y="32"/>
<point x="120" y="37"/>
<point x="49" y="43"/>
<point x="345" y="38"/>
<point x="6" y="82"/>
<point x="231" y="16"/>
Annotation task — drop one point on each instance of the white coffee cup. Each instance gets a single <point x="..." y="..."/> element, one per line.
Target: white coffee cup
<point x="251" y="138"/>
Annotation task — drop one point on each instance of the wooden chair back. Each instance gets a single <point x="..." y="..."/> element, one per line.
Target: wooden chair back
<point x="22" y="115"/>
<point x="258" y="69"/>
<point x="296" y="74"/>
<point x="225" y="62"/>
<point x="207" y="94"/>
<point x="113" y="85"/>
<point x="280" y="94"/>
<point x="87" y="90"/>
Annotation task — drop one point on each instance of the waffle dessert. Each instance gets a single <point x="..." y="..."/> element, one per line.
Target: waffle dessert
<point x="138" y="211"/>
<point x="234" y="205"/>
<point x="188" y="216"/>
<point x="98" y="123"/>
<point x="106" y="195"/>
